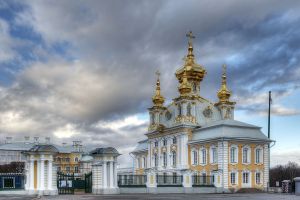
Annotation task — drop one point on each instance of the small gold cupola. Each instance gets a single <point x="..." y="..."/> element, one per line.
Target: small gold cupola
<point x="158" y="100"/>
<point x="224" y="94"/>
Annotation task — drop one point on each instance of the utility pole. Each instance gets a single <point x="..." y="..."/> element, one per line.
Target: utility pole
<point x="269" y="114"/>
<point x="269" y="134"/>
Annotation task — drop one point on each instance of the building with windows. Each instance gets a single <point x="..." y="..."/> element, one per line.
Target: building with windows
<point x="195" y="134"/>
<point x="67" y="159"/>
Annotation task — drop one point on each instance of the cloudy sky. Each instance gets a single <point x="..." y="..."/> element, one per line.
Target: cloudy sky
<point x="84" y="70"/>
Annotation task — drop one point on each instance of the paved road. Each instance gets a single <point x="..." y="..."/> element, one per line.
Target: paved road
<point x="162" y="196"/>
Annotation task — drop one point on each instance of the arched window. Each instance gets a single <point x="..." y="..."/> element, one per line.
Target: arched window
<point x="174" y="158"/>
<point x="152" y="118"/>
<point x="174" y="140"/>
<point x="165" y="142"/>
<point x="213" y="155"/>
<point x="194" y="87"/>
<point x="195" y="156"/>
<point x="258" y="155"/>
<point x="233" y="155"/>
<point x="203" y="156"/>
<point x="189" y="108"/>
<point x="246" y="155"/>
<point x="179" y="110"/>
<point x="76" y="159"/>
<point x="155" y="160"/>
<point x="165" y="159"/>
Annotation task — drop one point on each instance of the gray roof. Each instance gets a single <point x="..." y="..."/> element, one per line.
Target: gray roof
<point x="86" y="158"/>
<point x="142" y="146"/>
<point x="107" y="150"/>
<point x="17" y="146"/>
<point x="230" y="129"/>
<point x="43" y="148"/>
<point x="25" y="146"/>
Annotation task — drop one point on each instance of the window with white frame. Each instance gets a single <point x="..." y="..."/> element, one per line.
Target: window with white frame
<point x="233" y="178"/>
<point x="258" y="155"/>
<point x="233" y="155"/>
<point x="156" y="143"/>
<point x="258" y="178"/>
<point x="213" y="155"/>
<point x="195" y="157"/>
<point x="203" y="156"/>
<point x="246" y="155"/>
<point x="174" y="140"/>
<point x="245" y="177"/>
<point x="179" y="110"/>
<point x="165" y="159"/>
<point x="144" y="162"/>
<point x="174" y="158"/>
<point x="165" y="142"/>
<point x="155" y="160"/>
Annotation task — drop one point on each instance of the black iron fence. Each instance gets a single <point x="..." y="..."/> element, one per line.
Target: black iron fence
<point x="132" y="180"/>
<point x="169" y="180"/>
<point x="9" y="181"/>
<point x="199" y="181"/>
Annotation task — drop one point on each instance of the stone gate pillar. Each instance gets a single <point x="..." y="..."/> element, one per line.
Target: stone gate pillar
<point x="104" y="171"/>
<point x="40" y="157"/>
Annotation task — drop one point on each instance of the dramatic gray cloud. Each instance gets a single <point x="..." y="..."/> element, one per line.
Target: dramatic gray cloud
<point x="99" y="86"/>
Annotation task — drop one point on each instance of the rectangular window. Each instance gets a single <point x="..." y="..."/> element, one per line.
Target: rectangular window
<point x="257" y="178"/>
<point x="203" y="152"/>
<point x="174" y="158"/>
<point x="174" y="140"/>
<point x="214" y="155"/>
<point x="245" y="177"/>
<point x="156" y="144"/>
<point x="8" y="182"/>
<point x="195" y="157"/>
<point x="76" y="169"/>
<point x="165" y="159"/>
<point x="165" y="142"/>
<point x="155" y="160"/>
<point x="245" y="155"/>
<point x="257" y="156"/>
<point x="68" y="169"/>
<point x="232" y="179"/>
<point x="144" y="162"/>
<point x="233" y="155"/>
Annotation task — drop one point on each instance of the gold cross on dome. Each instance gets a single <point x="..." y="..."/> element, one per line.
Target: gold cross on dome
<point x="157" y="73"/>
<point x="190" y="36"/>
<point x="224" y="69"/>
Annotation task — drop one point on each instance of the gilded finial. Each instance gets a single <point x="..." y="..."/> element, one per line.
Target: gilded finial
<point x="190" y="36"/>
<point x="158" y="99"/>
<point x="224" y="94"/>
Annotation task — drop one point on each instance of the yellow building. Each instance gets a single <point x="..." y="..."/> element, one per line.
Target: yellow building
<point x="68" y="158"/>
<point x="193" y="133"/>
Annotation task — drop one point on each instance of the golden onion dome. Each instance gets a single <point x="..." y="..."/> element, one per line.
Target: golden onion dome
<point x="194" y="71"/>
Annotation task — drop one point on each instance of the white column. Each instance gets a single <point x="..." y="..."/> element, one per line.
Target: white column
<point x="42" y="174"/>
<point x="116" y="174"/>
<point x="266" y="166"/>
<point x="159" y="154"/>
<point x="111" y="174"/>
<point x="183" y="108"/>
<point x="38" y="179"/>
<point x="193" y="109"/>
<point x="104" y="174"/>
<point x="184" y="153"/>
<point x="169" y="140"/>
<point x="49" y="184"/>
<point x="31" y="175"/>
<point x="149" y="156"/>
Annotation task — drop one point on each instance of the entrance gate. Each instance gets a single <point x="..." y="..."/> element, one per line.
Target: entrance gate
<point x="67" y="183"/>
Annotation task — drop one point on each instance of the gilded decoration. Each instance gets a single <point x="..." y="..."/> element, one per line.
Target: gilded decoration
<point x="173" y="147"/>
<point x="155" y="150"/>
<point x="158" y="99"/>
<point x="183" y="118"/>
<point x="224" y="94"/>
<point x="164" y="149"/>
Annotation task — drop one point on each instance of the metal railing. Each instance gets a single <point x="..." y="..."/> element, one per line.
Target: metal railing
<point x="199" y="181"/>
<point x="132" y="180"/>
<point x="169" y="180"/>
